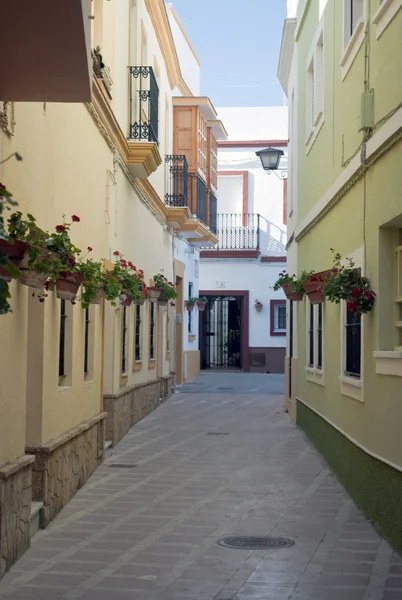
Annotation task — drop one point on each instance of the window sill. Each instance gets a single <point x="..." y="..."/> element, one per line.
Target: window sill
<point x="314" y="375"/>
<point x="351" y="387"/>
<point x="388" y="362"/>
<point x="152" y="363"/>
<point x="64" y="388"/>
<point x="277" y="332"/>
<point x="384" y="15"/>
<point x="352" y="48"/>
<point x="137" y="366"/>
<point x="314" y="132"/>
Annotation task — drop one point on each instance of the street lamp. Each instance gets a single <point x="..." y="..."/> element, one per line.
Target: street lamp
<point x="270" y="159"/>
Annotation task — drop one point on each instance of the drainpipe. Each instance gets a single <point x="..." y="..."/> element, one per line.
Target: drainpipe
<point x="174" y="314"/>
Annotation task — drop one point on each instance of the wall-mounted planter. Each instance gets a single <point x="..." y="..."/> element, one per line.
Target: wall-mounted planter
<point x="141" y="301"/>
<point x="163" y="300"/>
<point x="316" y="297"/>
<point x="314" y="288"/>
<point x="290" y="294"/>
<point x="15" y="251"/>
<point x="68" y="286"/>
<point x="189" y="307"/>
<point x="154" y="293"/>
<point x="32" y="279"/>
<point x="201" y="305"/>
<point x="125" y="300"/>
<point x="98" y="298"/>
<point x="258" y="307"/>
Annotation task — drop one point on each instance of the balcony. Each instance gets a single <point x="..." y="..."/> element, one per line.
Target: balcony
<point x="35" y="37"/>
<point x="144" y="101"/>
<point x="177" y="194"/>
<point x="238" y="231"/>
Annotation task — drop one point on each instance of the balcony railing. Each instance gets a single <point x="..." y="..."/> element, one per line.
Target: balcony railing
<point x="177" y="194"/>
<point x="238" y="231"/>
<point x="201" y="200"/>
<point x="101" y="70"/>
<point x="144" y="101"/>
<point x="213" y="216"/>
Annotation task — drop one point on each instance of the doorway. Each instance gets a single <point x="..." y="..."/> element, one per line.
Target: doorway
<point x="221" y="333"/>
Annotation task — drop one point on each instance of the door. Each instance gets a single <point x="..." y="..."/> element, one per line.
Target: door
<point x="221" y="333"/>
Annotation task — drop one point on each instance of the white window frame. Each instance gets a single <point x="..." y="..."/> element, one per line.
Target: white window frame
<point x="315" y="87"/>
<point x="314" y="373"/>
<point x="352" y="386"/>
<point x="276" y="318"/>
<point x="351" y="44"/>
<point x="387" y="10"/>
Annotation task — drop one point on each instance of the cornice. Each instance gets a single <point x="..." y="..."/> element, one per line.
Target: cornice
<point x="161" y="25"/>
<point x="149" y="191"/>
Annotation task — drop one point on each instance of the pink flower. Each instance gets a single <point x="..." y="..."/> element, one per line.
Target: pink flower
<point x="116" y="253"/>
<point x="75" y="219"/>
<point x="89" y="249"/>
<point x="60" y="228"/>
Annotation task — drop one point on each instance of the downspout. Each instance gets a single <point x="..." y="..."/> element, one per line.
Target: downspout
<point x="174" y="315"/>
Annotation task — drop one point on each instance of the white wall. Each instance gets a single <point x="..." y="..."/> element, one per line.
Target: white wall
<point x="189" y="255"/>
<point x="189" y="64"/>
<point x="230" y="197"/>
<point x="259" y="279"/>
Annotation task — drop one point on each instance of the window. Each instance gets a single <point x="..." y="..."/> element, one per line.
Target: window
<point x="62" y="343"/>
<point x="315" y="315"/>
<point x="398" y="290"/>
<point x="386" y="12"/>
<point x="190" y="314"/>
<point x="315" y="88"/>
<point x="86" y="342"/>
<point x="278" y="317"/>
<point x="310" y="98"/>
<point x="124" y="342"/>
<point x="353" y="15"/>
<point x="353" y="344"/>
<point x="152" y="332"/>
<point x="137" y="332"/>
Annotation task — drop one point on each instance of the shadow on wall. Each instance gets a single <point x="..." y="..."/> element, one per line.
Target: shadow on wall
<point x="273" y="239"/>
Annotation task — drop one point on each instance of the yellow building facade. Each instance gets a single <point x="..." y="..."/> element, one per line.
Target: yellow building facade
<point x="340" y="67"/>
<point x="71" y="378"/>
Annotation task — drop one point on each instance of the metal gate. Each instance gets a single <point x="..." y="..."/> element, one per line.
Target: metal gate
<point x="220" y="333"/>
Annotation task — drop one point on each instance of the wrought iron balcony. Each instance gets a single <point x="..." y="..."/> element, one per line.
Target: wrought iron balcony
<point x="177" y="194"/>
<point x="213" y="216"/>
<point x="144" y="101"/>
<point x="101" y="70"/>
<point x="238" y="231"/>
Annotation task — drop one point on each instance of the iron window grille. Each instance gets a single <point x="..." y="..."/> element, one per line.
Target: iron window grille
<point x="213" y="215"/>
<point x="144" y="104"/>
<point x="353" y="344"/>
<point x="201" y="200"/>
<point x="62" y="343"/>
<point x="190" y="314"/>
<point x="177" y="194"/>
<point x="124" y="342"/>
<point x="238" y="231"/>
<point x="86" y="342"/>
<point x="311" y="336"/>
<point x="138" y="332"/>
<point x="152" y="332"/>
<point x="319" y="337"/>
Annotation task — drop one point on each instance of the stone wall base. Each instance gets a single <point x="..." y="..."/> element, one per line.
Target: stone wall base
<point x="64" y="464"/>
<point x="15" y="511"/>
<point x="133" y="404"/>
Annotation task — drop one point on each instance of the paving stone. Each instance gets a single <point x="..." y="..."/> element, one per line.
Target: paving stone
<point x="151" y="533"/>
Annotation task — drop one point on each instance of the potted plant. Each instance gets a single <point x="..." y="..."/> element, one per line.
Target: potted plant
<point x="131" y="280"/>
<point x="8" y="268"/>
<point x="190" y="303"/>
<point x="163" y="289"/>
<point x="347" y="283"/>
<point x="313" y="285"/>
<point x="92" y="290"/>
<point x="111" y="288"/>
<point x="291" y="286"/>
<point x="258" y="305"/>
<point x="201" y="303"/>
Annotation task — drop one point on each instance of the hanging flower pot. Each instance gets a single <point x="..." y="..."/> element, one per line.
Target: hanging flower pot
<point x="68" y="285"/>
<point x="314" y="286"/>
<point x="141" y="301"/>
<point x="163" y="301"/>
<point x="201" y="305"/>
<point x="98" y="298"/>
<point x="125" y="299"/>
<point x="316" y="297"/>
<point x="15" y="250"/>
<point x="33" y="279"/>
<point x="189" y="307"/>
<point x="258" y="306"/>
<point x="154" y="293"/>
<point x="291" y="294"/>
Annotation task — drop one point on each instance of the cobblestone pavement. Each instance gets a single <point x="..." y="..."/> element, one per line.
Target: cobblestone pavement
<point x="146" y="524"/>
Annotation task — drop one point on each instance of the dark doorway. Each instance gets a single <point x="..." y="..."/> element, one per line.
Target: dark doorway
<point x="221" y="333"/>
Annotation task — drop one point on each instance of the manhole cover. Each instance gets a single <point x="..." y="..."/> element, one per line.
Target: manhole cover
<point x="256" y="543"/>
<point x="217" y="433"/>
<point x="121" y="466"/>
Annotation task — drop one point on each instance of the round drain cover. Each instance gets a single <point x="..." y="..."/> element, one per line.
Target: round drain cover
<point x="256" y="543"/>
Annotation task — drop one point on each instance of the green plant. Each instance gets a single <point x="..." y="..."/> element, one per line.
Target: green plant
<point x="6" y="201"/>
<point x="191" y="301"/>
<point x="131" y="279"/>
<point x="111" y="287"/>
<point x="296" y="285"/>
<point x="92" y="280"/>
<point x="168" y="288"/>
<point x="40" y="258"/>
<point x="345" y="282"/>
<point x="202" y="299"/>
<point x="257" y="303"/>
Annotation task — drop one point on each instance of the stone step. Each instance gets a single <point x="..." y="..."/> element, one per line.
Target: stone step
<point x="34" y="520"/>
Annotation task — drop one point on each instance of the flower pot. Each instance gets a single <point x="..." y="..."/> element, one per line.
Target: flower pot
<point x="296" y="297"/>
<point x="15" y="251"/>
<point x="32" y="279"/>
<point x="125" y="300"/>
<point x="141" y="301"/>
<point x="316" y="297"/>
<point x="154" y="293"/>
<point x="201" y="305"/>
<point x="258" y="307"/>
<point x="98" y="298"/>
<point x="67" y="286"/>
<point x="163" y="301"/>
<point x="190" y="307"/>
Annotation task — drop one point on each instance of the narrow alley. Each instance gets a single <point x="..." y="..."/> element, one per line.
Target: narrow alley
<point x="221" y="458"/>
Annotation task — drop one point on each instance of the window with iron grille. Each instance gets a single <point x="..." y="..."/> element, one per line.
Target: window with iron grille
<point x="124" y="342"/>
<point x="353" y="14"/>
<point x="311" y="336"/>
<point x="62" y="343"/>
<point x="398" y="290"/>
<point x="319" y="337"/>
<point x="280" y="317"/>
<point x="137" y="332"/>
<point x="86" y="342"/>
<point x="353" y="344"/>
<point x="152" y="332"/>
<point x="315" y="336"/>
<point x="201" y="206"/>
<point x="190" y="314"/>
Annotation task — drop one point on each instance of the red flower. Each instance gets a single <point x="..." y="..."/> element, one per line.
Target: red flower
<point x="130" y="264"/>
<point x="71" y="261"/>
<point x="89" y="249"/>
<point x="41" y="299"/>
<point x="356" y="292"/>
<point x="2" y="187"/>
<point x="116" y="253"/>
<point x="60" y="228"/>
<point x="75" y="219"/>
<point x="370" y="295"/>
<point x="351" y="306"/>
<point x="172" y="304"/>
